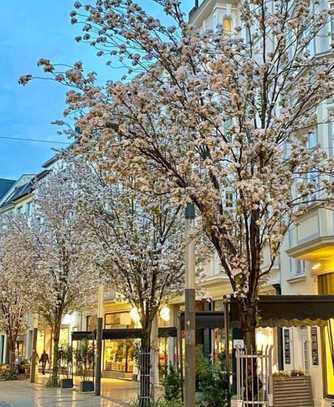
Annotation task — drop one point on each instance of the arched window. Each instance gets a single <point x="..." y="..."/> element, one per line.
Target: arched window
<point x="227" y="24"/>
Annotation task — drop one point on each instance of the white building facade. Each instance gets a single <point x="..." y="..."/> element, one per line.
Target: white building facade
<point x="306" y="261"/>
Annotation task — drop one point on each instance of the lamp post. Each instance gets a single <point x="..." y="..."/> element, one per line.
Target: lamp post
<point x="189" y="314"/>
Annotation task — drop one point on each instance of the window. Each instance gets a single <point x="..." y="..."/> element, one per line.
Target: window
<point x="118" y="320"/>
<point x="312" y="179"/>
<point x="300" y="267"/>
<point x="229" y="199"/>
<point x="28" y="209"/>
<point x="312" y="139"/>
<point x="331" y="8"/>
<point x="227" y="24"/>
<point x="91" y="322"/>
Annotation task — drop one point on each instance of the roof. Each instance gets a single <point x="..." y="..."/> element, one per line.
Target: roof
<point x="24" y="189"/>
<point x="5" y="185"/>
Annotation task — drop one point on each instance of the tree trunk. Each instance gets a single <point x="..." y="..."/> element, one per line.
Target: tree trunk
<point x="55" y="364"/>
<point x="248" y="319"/>
<point x="248" y="316"/>
<point x="11" y="351"/>
<point x="145" y="369"/>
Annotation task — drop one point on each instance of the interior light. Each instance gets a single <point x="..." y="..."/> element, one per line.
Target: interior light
<point x="165" y="313"/>
<point x="134" y="314"/>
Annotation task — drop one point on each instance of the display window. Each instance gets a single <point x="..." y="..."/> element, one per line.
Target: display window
<point x="119" y="355"/>
<point x="329" y="351"/>
<point x="326" y="287"/>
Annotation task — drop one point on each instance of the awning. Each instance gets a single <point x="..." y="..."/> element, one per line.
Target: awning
<point x="123" y="333"/>
<point x="291" y="310"/>
<point x="81" y="335"/>
<point x="273" y="311"/>
<point x="206" y="320"/>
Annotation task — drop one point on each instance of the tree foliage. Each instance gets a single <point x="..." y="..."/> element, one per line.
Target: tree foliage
<point x="220" y="119"/>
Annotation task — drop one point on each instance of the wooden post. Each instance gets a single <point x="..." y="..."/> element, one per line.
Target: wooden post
<point x="98" y="362"/>
<point x="189" y="314"/>
<point x="227" y="334"/>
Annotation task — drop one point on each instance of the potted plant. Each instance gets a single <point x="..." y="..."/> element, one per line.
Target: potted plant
<point x="66" y="362"/>
<point x="85" y="362"/>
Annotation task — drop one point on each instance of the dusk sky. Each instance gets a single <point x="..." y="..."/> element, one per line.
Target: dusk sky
<point x="30" y="30"/>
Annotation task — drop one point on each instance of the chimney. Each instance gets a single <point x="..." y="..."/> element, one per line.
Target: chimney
<point x="196" y="3"/>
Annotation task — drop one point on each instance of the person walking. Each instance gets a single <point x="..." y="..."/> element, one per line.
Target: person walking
<point x="44" y="360"/>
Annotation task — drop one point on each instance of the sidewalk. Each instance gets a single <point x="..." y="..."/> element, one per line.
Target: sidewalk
<point x="121" y="392"/>
<point x="24" y="394"/>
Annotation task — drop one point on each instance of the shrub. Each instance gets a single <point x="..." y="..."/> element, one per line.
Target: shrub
<point x="159" y="403"/>
<point x="172" y="384"/>
<point x="213" y="383"/>
<point x="7" y="373"/>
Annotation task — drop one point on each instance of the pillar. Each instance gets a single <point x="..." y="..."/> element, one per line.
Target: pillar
<point x="171" y="342"/>
<point x="154" y="357"/>
<point x="189" y="314"/>
<point x="34" y="350"/>
<point x="99" y="328"/>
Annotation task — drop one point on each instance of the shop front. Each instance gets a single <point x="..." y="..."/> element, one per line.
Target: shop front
<point x="326" y="287"/>
<point x="119" y="354"/>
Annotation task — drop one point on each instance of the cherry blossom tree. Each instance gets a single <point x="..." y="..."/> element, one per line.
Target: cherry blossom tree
<point x="138" y="240"/>
<point x="64" y="269"/>
<point x="215" y="118"/>
<point x="17" y="283"/>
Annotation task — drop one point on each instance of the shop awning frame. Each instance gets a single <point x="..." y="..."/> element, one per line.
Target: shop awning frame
<point x="122" y="333"/>
<point x="273" y="311"/>
<point x="290" y="310"/>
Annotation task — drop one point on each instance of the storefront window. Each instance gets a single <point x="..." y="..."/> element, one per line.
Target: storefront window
<point x="163" y="357"/>
<point x="119" y="355"/>
<point x="329" y="348"/>
<point x="20" y="348"/>
<point x="326" y="287"/>
<point x="64" y="337"/>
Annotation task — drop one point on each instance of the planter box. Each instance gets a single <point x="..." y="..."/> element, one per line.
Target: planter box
<point x="87" y="386"/>
<point x="293" y="391"/>
<point x="66" y="383"/>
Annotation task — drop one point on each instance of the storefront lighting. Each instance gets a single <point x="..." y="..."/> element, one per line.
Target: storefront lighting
<point x="165" y="313"/>
<point x="316" y="266"/>
<point x="134" y="314"/>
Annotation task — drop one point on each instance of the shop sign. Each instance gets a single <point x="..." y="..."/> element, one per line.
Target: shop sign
<point x="314" y="346"/>
<point x="238" y="344"/>
<point x="287" y="347"/>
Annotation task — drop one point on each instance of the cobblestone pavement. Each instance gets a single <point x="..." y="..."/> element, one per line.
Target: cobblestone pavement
<point x="24" y="394"/>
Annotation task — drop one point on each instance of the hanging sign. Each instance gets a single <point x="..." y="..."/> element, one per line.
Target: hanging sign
<point x="287" y="347"/>
<point x="314" y="346"/>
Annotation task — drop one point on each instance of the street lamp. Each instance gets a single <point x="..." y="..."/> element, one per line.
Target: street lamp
<point x="189" y="312"/>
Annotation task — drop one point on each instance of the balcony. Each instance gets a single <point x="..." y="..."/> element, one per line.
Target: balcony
<point x="313" y="238"/>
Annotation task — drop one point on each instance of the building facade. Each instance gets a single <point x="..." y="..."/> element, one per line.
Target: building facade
<point x="305" y="266"/>
<point x="306" y="261"/>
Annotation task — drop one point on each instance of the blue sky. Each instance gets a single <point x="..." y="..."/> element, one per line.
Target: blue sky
<point x="30" y="30"/>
